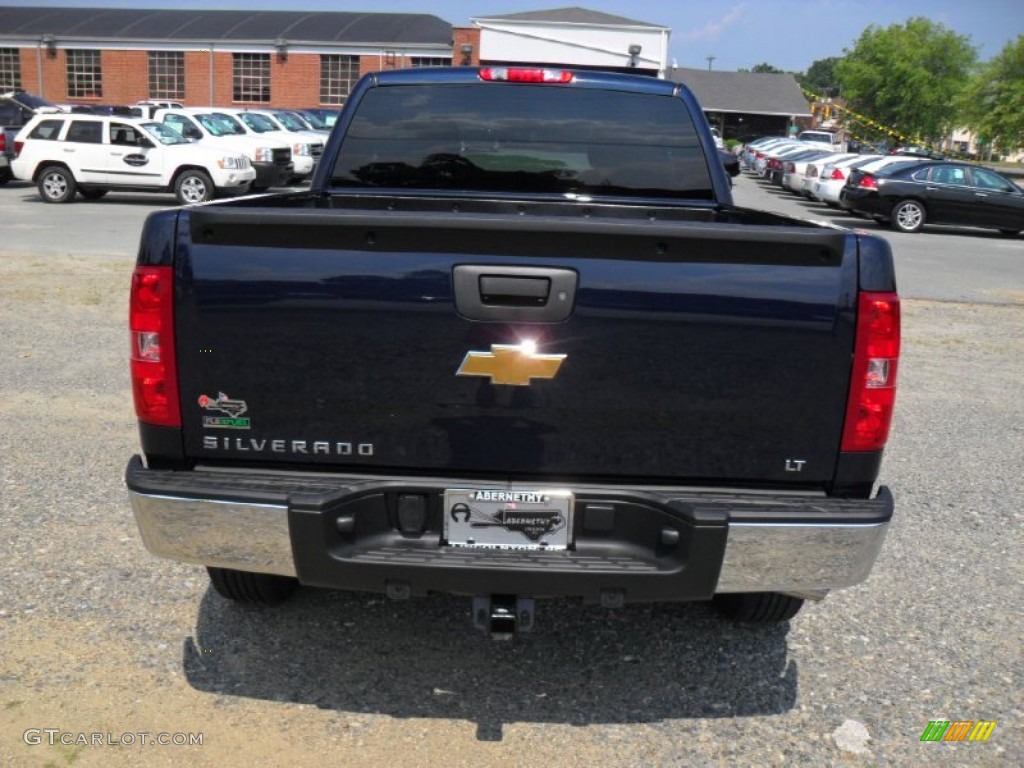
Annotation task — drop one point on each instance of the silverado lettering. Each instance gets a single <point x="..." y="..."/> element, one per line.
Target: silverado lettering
<point x="324" y="447"/>
<point x="725" y="377"/>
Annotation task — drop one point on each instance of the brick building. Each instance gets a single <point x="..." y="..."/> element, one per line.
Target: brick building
<point x="278" y="58"/>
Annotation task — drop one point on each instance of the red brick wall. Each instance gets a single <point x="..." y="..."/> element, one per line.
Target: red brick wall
<point x="125" y="76"/>
<point x="30" y="70"/>
<point x="295" y="82"/>
<point x="54" y="85"/>
<point x="469" y="35"/>
<point x="197" y="78"/>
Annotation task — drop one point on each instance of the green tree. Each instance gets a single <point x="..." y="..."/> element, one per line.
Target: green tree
<point x="908" y="76"/>
<point x="993" y="102"/>
<point x="764" y="66"/>
<point x="820" y="77"/>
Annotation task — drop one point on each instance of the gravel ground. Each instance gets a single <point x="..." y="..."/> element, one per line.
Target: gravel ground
<point x="98" y="636"/>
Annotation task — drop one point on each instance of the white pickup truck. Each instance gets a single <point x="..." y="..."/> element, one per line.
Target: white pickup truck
<point x="92" y="154"/>
<point x="307" y="146"/>
<point x="270" y="155"/>
<point x="822" y="140"/>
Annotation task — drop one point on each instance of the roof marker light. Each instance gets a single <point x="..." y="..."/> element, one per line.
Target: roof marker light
<point x="524" y="75"/>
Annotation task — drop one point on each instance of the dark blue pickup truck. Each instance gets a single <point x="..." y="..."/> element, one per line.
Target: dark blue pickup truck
<point x="515" y="342"/>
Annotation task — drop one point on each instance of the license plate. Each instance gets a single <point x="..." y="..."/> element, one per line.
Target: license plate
<point x="507" y="519"/>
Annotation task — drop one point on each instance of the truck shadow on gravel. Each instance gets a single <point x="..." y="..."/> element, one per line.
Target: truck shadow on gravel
<point x="358" y="653"/>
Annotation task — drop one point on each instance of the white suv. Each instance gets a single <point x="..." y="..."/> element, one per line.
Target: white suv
<point x="92" y="155"/>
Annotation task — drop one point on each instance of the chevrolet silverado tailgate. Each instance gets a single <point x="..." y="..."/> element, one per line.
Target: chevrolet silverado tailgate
<point x="567" y="345"/>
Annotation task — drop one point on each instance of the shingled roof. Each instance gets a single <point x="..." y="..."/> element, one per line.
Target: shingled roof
<point x="748" y="92"/>
<point x="573" y="15"/>
<point x="238" y="26"/>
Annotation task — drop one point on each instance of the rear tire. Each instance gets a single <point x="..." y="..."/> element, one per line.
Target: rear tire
<point x="56" y="184"/>
<point x="908" y="216"/>
<point x="758" y="607"/>
<point x="193" y="186"/>
<point x="246" y="587"/>
<point x="5" y="176"/>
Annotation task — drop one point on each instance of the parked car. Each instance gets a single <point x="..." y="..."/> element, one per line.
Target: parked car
<point x="119" y="110"/>
<point x="325" y="117"/>
<point x="915" y="151"/>
<point x="751" y="151"/>
<point x="832" y="178"/>
<point x="816" y="167"/>
<point x="17" y="108"/>
<point x="771" y="169"/>
<point x="92" y="154"/>
<point x="871" y="165"/>
<point x="5" y="159"/>
<point x="821" y="140"/>
<point x="306" y="147"/>
<point x="464" y="368"/>
<point x="270" y="156"/>
<point x="731" y="163"/>
<point x="937" y="192"/>
<point x="149" y="107"/>
<point x="794" y="169"/>
<point x="290" y="120"/>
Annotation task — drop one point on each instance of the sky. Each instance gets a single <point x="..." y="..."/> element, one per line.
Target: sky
<point x="788" y="34"/>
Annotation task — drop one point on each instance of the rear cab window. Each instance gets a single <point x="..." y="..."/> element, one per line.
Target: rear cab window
<point x="523" y="138"/>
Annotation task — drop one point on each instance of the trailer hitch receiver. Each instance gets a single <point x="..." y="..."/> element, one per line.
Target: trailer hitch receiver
<point x="502" y="616"/>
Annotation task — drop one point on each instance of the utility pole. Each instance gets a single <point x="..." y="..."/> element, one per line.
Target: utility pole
<point x="710" y="59"/>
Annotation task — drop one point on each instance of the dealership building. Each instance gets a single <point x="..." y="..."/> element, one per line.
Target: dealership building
<point x="309" y="59"/>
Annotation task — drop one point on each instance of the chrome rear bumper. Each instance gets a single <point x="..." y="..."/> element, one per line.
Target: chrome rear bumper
<point x="800" y="557"/>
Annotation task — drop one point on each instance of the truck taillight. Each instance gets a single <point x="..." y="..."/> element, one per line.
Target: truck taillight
<point x="154" y="374"/>
<point x="873" y="382"/>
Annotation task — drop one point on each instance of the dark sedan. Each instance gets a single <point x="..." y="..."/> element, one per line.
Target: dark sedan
<point x="912" y="194"/>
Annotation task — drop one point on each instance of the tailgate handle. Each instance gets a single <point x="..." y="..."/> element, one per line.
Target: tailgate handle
<point x="514" y="291"/>
<point x="514" y="294"/>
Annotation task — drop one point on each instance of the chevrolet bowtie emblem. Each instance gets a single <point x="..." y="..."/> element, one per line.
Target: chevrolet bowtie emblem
<point x="513" y="364"/>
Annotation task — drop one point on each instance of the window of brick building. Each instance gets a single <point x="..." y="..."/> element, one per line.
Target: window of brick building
<point x="10" y="69"/>
<point x="337" y="76"/>
<point x="251" y="77"/>
<point x="429" y="61"/>
<point x="85" y="75"/>
<point x="167" y="75"/>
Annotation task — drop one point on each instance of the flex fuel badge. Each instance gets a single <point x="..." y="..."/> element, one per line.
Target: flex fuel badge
<point x="233" y="410"/>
